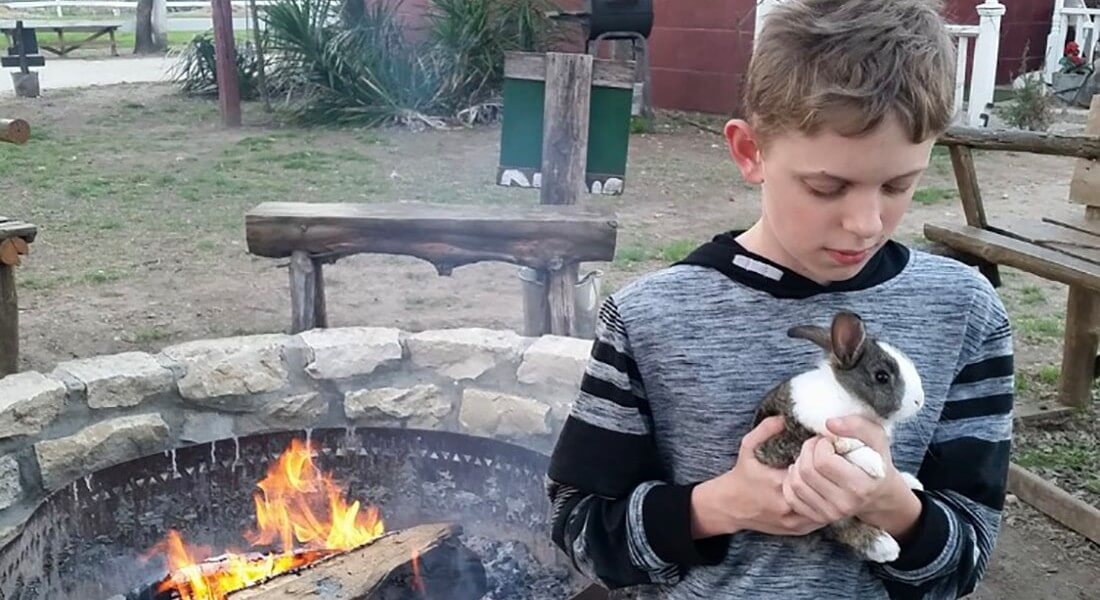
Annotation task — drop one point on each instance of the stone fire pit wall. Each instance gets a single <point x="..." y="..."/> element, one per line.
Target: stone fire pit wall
<point x="91" y="413"/>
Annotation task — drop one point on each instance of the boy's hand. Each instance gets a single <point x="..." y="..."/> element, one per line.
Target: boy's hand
<point x="749" y="496"/>
<point x="825" y="486"/>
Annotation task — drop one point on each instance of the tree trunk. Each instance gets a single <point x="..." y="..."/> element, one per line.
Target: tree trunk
<point x="144" y="42"/>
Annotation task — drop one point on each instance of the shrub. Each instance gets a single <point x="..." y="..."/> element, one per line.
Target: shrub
<point x="353" y="62"/>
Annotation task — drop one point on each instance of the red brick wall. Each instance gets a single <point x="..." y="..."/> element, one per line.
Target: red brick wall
<point x="699" y="52"/>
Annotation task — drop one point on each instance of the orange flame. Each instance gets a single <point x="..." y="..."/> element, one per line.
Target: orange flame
<point x="297" y="506"/>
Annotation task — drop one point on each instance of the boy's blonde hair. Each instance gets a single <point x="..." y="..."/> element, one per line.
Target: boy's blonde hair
<point x="845" y="65"/>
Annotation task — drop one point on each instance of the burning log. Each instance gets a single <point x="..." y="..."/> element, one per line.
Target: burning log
<point x="427" y="561"/>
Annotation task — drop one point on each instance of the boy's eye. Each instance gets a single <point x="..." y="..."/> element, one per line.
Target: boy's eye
<point x="825" y="193"/>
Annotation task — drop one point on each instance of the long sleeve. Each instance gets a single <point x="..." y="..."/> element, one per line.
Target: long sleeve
<point x="965" y="469"/>
<point x="614" y="514"/>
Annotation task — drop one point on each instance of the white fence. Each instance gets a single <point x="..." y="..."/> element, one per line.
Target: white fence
<point x="1083" y="20"/>
<point x="986" y="36"/>
<point x="59" y="5"/>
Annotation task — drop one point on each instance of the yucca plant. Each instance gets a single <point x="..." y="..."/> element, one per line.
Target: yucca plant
<point x="351" y="61"/>
<point x="196" y="70"/>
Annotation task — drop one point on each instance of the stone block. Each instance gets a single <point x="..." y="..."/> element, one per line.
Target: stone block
<point x="207" y="427"/>
<point x="350" y="351"/>
<point x="292" y="412"/>
<point x="555" y="361"/>
<point x="119" y="380"/>
<point x="494" y="414"/>
<point x="99" y="446"/>
<point x="464" y="353"/>
<point x="10" y="487"/>
<point x="231" y="366"/>
<point x="29" y="401"/>
<point x="422" y="406"/>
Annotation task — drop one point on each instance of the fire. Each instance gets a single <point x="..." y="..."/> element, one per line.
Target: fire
<point x="297" y="507"/>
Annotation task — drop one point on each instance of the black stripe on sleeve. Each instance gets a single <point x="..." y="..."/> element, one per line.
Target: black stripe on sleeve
<point x="609" y="391"/>
<point x="998" y="366"/>
<point x="601" y="461"/>
<point x="984" y="406"/>
<point x="607" y="354"/>
<point x="973" y="467"/>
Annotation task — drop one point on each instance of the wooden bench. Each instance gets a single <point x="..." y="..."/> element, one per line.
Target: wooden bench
<point x="551" y="239"/>
<point x="15" y="237"/>
<point x="1066" y="250"/>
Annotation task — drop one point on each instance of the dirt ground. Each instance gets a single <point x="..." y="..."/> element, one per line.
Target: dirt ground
<point x="140" y="196"/>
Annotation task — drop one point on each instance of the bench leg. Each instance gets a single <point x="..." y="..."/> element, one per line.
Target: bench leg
<point x="306" y="303"/>
<point x="560" y="287"/>
<point x="114" y="46"/>
<point x="9" y="322"/>
<point x="1079" y="350"/>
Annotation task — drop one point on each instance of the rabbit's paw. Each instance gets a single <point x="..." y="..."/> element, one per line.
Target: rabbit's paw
<point x="883" y="548"/>
<point x="867" y="459"/>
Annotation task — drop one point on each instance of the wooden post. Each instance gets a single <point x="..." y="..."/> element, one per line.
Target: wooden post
<point x="225" y="63"/>
<point x="565" y="127"/>
<point x="303" y="292"/>
<point x="1079" y="347"/>
<point x="564" y="162"/>
<point x="9" y="322"/>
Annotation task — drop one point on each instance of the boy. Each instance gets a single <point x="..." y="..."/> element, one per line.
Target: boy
<point x="655" y="489"/>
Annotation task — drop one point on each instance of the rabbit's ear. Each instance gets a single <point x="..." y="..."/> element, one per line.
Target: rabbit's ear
<point x="848" y="336"/>
<point x="814" y="333"/>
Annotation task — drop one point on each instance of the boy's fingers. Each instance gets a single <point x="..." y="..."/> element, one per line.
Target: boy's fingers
<point x="859" y="428"/>
<point x="766" y="429"/>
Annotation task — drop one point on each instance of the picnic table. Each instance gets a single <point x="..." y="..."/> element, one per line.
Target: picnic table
<point x="96" y="29"/>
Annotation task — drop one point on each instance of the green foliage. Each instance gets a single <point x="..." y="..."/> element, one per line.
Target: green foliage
<point x="1032" y="104"/>
<point x="354" y="62"/>
<point x="196" y="74"/>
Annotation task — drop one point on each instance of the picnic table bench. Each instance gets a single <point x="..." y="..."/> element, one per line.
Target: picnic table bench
<point x="1061" y="249"/>
<point x="96" y="29"/>
<point x="15" y="236"/>
<point x="547" y="238"/>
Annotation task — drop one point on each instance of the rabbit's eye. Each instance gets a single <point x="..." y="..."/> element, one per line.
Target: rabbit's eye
<point x="882" y="376"/>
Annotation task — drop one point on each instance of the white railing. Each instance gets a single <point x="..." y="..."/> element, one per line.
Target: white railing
<point x="59" y="5"/>
<point x="1070" y="14"/>
<point x="983" y="73"/>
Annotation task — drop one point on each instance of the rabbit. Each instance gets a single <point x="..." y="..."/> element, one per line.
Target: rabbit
<point x="859" y="376"/>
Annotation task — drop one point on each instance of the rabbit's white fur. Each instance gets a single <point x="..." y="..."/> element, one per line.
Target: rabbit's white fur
<point x="817" y="396"/>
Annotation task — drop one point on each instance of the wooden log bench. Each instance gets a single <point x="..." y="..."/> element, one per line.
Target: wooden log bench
<point x="553" y="239"/>
<point x="15" y="239"/>
<point x="1065" y="250"/>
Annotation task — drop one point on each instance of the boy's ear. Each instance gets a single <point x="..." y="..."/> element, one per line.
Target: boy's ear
<point x="744" y="150"/>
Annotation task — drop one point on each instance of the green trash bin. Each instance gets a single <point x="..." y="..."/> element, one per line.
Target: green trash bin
<point x="521" y="136"/>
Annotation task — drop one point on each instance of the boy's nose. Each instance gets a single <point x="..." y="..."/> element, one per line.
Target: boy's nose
<point x="863" y="216"/>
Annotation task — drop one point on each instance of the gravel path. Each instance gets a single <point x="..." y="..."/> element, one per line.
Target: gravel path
<point x="71" y="73"/>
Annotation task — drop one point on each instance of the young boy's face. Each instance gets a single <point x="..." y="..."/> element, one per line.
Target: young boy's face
<point x="828" y="201"/>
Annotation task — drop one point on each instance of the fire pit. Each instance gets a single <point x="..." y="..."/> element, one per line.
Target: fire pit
<point x="98" y="538"/>
<point x="423" y="458"/>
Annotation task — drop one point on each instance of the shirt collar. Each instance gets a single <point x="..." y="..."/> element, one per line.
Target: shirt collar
<point x="729" y="257"/>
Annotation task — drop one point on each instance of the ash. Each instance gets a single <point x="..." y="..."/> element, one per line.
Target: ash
<point x="513" y="573"/>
